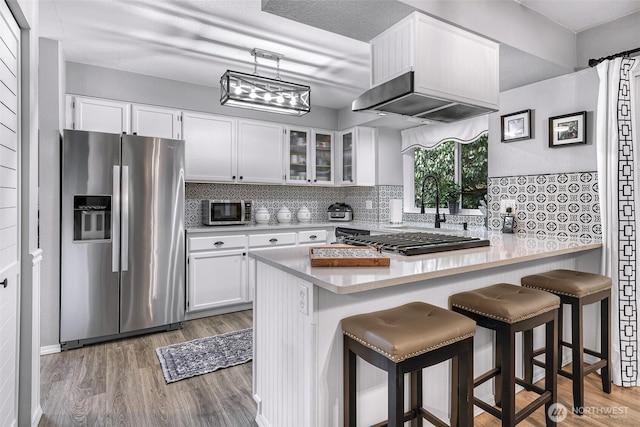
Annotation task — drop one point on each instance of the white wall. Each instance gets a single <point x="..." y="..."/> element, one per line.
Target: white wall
<point x="561" y="95"/>
<point x="608" y="39"/>
<point x="108" y="83"/>
<point x="389" y="158"/>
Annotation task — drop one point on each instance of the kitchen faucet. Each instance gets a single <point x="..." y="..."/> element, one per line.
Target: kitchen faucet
<point x="438" y="218"/>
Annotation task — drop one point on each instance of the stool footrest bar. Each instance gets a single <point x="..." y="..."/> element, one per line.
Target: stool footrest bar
<point x="485" y="377"/>
<point x="527" y="410"/>
<point x="432" y="418"/>
<point x="488" y="408"/>
<point x="531" y="387"/>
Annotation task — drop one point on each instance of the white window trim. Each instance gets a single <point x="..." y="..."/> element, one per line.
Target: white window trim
<point x="408" y="174"/>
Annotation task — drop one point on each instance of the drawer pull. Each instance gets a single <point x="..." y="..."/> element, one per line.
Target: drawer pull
<point x="218" y="243"/>
<point x="4" y="283"/>
<point x="313" y="237"/>
<point x="274" y="240"/>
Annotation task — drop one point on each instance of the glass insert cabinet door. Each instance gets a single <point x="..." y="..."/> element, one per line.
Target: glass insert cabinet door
<point x="298" y="154"/>
<point x="323" y="156"/>
<point x="347" y="157"/>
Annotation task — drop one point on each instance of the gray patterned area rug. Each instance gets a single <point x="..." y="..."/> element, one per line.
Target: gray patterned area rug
<point x="204" y="355"/>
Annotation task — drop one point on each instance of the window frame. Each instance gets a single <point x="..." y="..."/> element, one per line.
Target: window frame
<point x="408" y="181"/>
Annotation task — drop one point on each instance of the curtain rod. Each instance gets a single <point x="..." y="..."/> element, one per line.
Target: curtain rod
<point x="594" y="62"/>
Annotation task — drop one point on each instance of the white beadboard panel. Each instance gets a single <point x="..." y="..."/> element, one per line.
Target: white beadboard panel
<point x="8" y="155"/>
<point x="8" y="118"/>
<point x="8" y="31"/>
<point x="8" y="139"/>
<point x="8" y="79"/>
<point x="8" y="256"/>
<point x="8" y="59"/>
<point x="8" y="237"/>
<point x="8" y="347"/>
<point x="8" y="197"/>
<point x="8" y="177"/>
<point x="8" y="217"/>
<point x="8" y="98"/>
<point x="284" y="355"/>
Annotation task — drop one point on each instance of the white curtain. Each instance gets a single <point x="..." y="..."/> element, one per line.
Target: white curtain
<point x="619" y="206"/>
<point x="428" y="136"/>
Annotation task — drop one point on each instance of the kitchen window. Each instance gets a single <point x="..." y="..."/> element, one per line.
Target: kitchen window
<point x="451" y="161"/>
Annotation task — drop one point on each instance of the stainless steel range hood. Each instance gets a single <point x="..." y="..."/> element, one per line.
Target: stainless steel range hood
<point x="398" y="96"/>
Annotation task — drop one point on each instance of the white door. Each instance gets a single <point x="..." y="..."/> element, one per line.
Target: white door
<point x="9" y="224"/>
<point x="217" y="279"/>
<point x="100" y="115"/>
<point x="156" y="121"/>
<point x="210" y="147"/>
<point x="260" y="152"/>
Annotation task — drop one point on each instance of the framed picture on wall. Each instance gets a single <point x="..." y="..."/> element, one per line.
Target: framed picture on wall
<point x="568" y="129"/>
<point x="516" y="126"/>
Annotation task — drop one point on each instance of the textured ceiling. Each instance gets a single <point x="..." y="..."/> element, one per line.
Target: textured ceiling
<point x="323" y="41"/>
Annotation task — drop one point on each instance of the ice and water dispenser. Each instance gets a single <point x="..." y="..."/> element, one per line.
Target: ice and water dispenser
<point x="91" y="218"/>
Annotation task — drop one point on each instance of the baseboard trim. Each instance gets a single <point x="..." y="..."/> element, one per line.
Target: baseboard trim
<point x="50" y="349"/>
<point x="35" y="420"/>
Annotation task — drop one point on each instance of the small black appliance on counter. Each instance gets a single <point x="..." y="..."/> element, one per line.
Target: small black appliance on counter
<point x="340" y="212"/>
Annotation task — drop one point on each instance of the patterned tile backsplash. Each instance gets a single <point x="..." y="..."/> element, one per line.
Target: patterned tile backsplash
<point x="562" y="204"/>
<point x="565" y="204"/>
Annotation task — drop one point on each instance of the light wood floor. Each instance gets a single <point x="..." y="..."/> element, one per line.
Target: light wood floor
<point x="121" y="383"/>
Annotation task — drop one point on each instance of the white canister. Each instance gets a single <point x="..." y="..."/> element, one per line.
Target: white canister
<point x="284" y="215"/>
<point x="262" y="216"/>
<point x="304" y="215"/>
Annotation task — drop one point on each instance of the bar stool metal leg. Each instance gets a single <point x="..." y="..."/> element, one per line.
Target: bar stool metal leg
<point x="577" y="354"/>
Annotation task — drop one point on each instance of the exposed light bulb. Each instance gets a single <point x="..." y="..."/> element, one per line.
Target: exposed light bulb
<point x="293" y="100"/>
<point x="267" y="97"/>
<point x="237" y="90"/>
<point x="253" y="95"/>
<point x="280" y="99"/>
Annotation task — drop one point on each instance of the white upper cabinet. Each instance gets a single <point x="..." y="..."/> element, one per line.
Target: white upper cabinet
<point x="158" y="122"/>
<point x="356" y="157"/>
<point x="298" y="155"/>
<point x="260" y="152"/>
<point x="210" y="147"/>
<point x="99" y="115"/>
<point x="322" y="149"/>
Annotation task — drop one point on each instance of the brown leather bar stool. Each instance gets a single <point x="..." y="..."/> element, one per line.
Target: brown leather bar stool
<point x="576" y="289"/>
<point x="508" y="309"/>
<point x="406" y="339"/>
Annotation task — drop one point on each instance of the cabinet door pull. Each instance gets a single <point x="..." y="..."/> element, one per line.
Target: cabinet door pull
<point x="218" y="243"/>
<point x="240" y="176"/>
<point x="313" y="237"/>
<point x="233" y="177"/>
<point x="5" y="282"/>
<point x="274" y="240"/>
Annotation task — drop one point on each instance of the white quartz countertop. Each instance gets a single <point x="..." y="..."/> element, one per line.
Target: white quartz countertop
<point x="505" y="249"/>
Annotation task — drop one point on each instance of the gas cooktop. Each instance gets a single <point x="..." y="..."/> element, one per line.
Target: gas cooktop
<point x="416" y="243"/>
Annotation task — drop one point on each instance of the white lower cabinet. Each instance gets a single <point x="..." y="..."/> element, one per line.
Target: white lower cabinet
<point x="220" y="272"/>
<point x="217" y="272"/>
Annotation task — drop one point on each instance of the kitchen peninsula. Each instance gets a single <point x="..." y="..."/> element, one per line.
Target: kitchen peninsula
<point x="298" y="309"/>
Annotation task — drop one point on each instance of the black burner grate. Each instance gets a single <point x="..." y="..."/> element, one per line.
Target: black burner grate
<point x="416" y="243"/>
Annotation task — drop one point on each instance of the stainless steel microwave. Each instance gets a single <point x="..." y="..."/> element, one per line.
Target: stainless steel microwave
<point x="226" y="212"/>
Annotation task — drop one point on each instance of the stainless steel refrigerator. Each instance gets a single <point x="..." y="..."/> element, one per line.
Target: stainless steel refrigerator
<point x="122" y="236"/>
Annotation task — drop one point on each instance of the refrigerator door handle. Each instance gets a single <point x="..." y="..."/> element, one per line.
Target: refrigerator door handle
<point x="115" y="222"/>
<point x="125" y="219"/>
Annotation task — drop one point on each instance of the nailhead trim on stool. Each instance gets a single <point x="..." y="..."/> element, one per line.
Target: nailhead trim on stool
<point x="576" y="289"/>
<point x="406" y="339"/>
<point x="508" y="309"/>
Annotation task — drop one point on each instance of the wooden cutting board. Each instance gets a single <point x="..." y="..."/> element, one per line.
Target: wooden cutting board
<point x="347" y="256"/>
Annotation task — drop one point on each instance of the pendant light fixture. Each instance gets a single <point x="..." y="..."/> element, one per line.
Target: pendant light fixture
<point x="255" y="92"/>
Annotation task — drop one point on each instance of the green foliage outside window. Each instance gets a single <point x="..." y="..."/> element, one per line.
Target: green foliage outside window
<point x="440" y="161"/>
